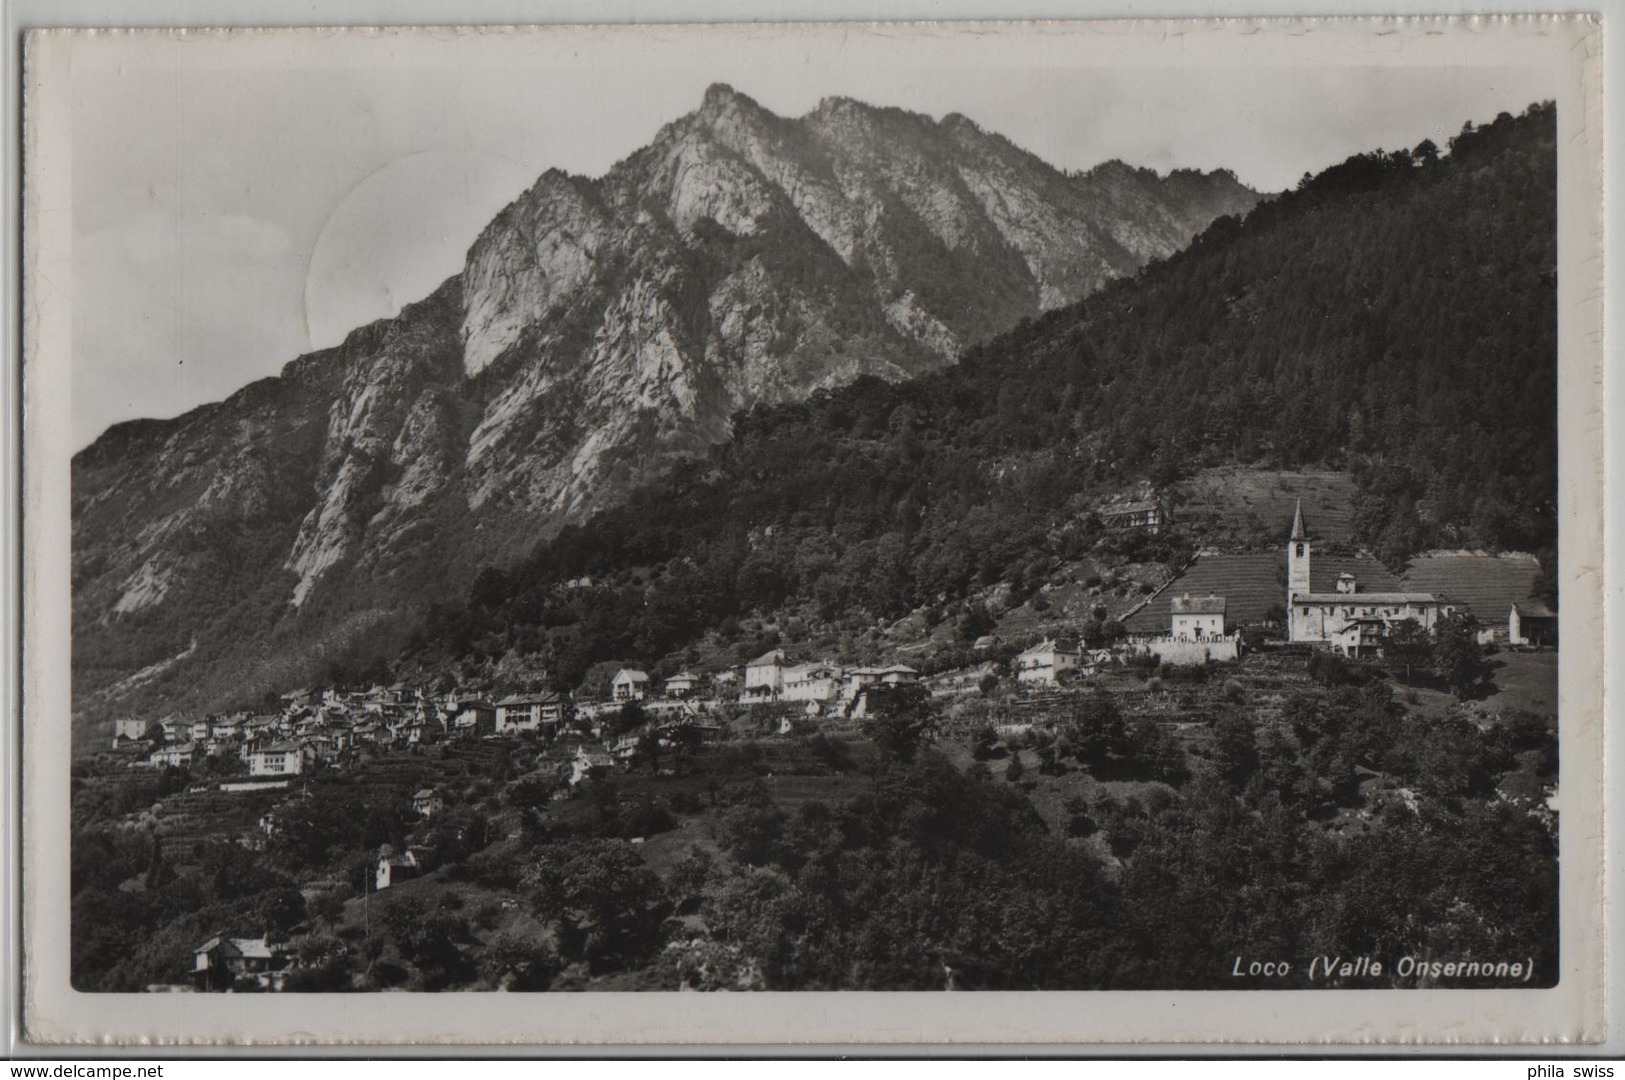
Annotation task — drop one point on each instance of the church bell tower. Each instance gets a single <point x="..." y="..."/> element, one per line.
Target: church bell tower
<point x="1297" y="558"/>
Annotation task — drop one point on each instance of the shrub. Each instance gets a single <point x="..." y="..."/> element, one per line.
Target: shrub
<point x="647" y="819"/>
<point x="517" y="962"/>
<point x="685" y="802"/>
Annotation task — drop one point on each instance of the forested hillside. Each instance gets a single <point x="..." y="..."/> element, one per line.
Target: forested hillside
<point x="1394" y="316"/>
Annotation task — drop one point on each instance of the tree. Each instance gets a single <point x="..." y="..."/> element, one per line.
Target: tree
<point x="455" y="834"/>
<point x="607" y="904"/>
<point x="1409" y="644"/>
<point x="1235" y="745"/>
<point x="975" y="621"/>
<point x="429" y="939"/>
<point x="515" y="961"/>
<point x="649" y="750"/>
<point x="228" y="764"/>
<point x="1155" y="751"/>
<point x="1098" y="729"/>
<point x="279" y="911"/>
<point x="1458" y="655"/>
<point x="532" y="792"/>
<point x="159" y="873"/>
<point x="630" y="718"/>
<point x="1329" y="669"/>
<point x="1047" y="763"/>
<point x="900" y="718"/>
<point x="686" y="739"/>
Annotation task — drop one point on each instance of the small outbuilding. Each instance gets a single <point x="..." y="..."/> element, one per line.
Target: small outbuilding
<point x="428" y="802"/>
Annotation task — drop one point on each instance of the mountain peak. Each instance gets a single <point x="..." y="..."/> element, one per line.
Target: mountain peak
<point x="836" y="106"/>
<point x="719" y="96"/>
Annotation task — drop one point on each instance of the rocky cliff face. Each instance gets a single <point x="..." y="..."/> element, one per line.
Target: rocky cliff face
<point x="599" y="328"/>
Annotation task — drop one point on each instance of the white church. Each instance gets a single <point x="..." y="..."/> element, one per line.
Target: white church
<point x="1350" y="621"/>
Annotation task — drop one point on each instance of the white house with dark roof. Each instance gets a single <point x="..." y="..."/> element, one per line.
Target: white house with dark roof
<point x="178" y="756"/>
<point x="589" y="763"/>
<point x="819" y="682"/>
<point x="128" y="729"/>
<point x="221" y="961"/>
<point x="1196" y="618"/>
<point x="393" y="868"/>
<point x="1532" y="622"/>
<point x="897" y="675"/>
<point x="428" y="802"/>
<point x="1045" y="663"/>
<point x="764" y="677"/>
<point x="629" y="684"/>
<point x="530" y="712"/>
<point x="682" y="684"/>
<point x="285" y="758"/>
<point x="472" y="716"/>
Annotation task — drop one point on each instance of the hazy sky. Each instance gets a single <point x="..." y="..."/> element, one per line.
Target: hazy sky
<point x="239" y="201"/>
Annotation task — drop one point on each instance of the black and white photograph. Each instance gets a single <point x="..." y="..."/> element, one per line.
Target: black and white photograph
<point x="914" y="508"/>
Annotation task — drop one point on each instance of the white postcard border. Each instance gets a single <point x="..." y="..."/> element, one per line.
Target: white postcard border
<point x="1570" y="1013"/>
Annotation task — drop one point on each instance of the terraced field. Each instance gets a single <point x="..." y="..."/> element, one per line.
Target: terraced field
<point x="1232" y="507"/>
<point x="1487" y="585"/>
<point x="212" y="815"/>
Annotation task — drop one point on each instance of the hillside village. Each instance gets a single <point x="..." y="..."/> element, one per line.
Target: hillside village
<point x="1179" y="624"/>
<point x="1347" y="604"/>
<point x="249" y="767"/>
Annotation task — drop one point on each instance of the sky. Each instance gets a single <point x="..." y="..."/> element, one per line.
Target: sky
<point x="238" y="201"/>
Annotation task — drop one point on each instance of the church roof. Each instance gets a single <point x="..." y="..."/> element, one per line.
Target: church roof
<point x="1298" y="532"/>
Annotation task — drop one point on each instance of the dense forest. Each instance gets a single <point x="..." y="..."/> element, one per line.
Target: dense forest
<point x="1394" y="316"/>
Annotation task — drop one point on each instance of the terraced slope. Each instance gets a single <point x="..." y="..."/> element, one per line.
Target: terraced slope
<point x="1221" y="505"/>
<point x="1486" y="585"/>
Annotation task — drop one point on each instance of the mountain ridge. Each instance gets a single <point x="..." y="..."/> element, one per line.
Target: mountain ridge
<point x="1393" y="319"/>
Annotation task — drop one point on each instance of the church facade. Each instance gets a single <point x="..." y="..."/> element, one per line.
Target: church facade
<point x="1349" y="621"/>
